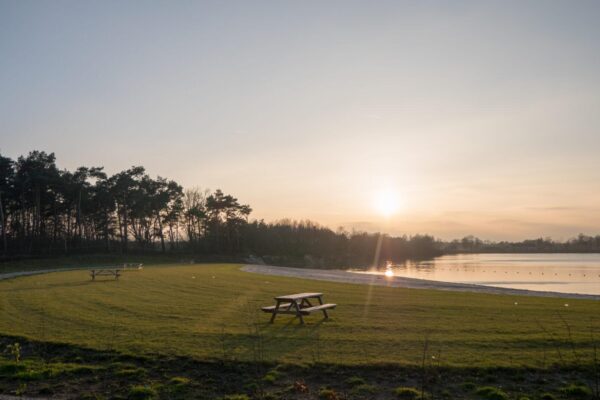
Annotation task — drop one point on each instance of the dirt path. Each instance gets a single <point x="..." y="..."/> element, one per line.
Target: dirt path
<point x="11" y="275"/>
<point x="335" y="275"/>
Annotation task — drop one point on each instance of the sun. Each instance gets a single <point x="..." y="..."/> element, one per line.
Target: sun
<point x="387" y="202"/>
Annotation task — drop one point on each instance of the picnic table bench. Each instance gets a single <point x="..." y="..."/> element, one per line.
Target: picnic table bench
<point x="299" y="305"/>
<point x="116" y="272"/>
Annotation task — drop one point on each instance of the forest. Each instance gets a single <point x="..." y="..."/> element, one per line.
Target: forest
<point x="47" y="211"/>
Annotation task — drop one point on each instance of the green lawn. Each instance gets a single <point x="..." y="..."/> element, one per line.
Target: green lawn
<point x="212" y="311"/>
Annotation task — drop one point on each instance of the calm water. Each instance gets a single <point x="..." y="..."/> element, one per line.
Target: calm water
<point x="567" y="273"/>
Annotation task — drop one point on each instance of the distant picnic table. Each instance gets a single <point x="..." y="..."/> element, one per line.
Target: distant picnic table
<point x="115" y="271"/>
<point x="299" y="305"/>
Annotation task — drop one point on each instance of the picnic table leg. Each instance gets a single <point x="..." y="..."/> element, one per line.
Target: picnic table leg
<point x="275" y="311"/>
<point x="324" y="310"/>
<point x="298" y="313"/>
<point x="305" y="303"/>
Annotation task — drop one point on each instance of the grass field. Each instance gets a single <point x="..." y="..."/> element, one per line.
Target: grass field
<point x="212" y="312"/>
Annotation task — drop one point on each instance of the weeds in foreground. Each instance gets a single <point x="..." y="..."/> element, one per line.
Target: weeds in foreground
<point x="595" y="361"/>
<point x="355" y="381"/>
<point x="236" y="397"/>
<point x="364" y="389"/>
<point x="141" y="393"/>
<point x="424" y="366"/>
<point x="253" y="324"/>
<point x="491" y="393"/>
<point x="576" y="391"/>
<point x="14" y="350"/>
<point x="407" y="393"/>
<point x="328" y="394"/>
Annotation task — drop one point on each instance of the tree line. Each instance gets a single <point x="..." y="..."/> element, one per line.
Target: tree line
<point x="471" y="244"/>
<point x="47" y="211"/>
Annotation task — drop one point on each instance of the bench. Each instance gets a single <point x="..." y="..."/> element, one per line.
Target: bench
<point x="105" y="272"/>
<point x="299" y="305"/>
<point x="272" y="308"/>
<point x="322" y="307"/>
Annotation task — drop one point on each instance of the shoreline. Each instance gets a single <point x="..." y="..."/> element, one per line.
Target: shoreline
<point x="336" y="275"/>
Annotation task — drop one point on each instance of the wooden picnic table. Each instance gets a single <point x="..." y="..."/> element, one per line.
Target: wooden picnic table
<point x="299" y="305"/>
<point x="116" y="272"/>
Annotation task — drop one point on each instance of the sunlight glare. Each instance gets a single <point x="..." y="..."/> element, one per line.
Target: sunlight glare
<point x="387" y="202"/>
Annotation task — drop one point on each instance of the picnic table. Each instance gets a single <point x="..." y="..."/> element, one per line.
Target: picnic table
<point x="299" y="305"/>
<point x="116" y="272"/>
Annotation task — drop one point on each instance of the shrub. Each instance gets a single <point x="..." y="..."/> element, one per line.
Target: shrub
<point x="407" y="393"/>
<point x="547" y="396"/>
<point x="141" y="393"/>
<point x="491" y="393"/>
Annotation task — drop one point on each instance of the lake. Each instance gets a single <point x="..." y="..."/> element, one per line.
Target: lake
<point x="566" y="273"/>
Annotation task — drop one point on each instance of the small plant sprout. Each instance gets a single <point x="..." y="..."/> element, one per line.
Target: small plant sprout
<point x="15" y="351"/>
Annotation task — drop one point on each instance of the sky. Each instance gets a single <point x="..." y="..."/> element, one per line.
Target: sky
<point x="475" y="117"/>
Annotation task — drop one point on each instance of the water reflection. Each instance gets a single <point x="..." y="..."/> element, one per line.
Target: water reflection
<point x="567" y="273"/>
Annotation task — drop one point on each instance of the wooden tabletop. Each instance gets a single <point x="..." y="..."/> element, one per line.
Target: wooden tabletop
<point x="298" y="296"/>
